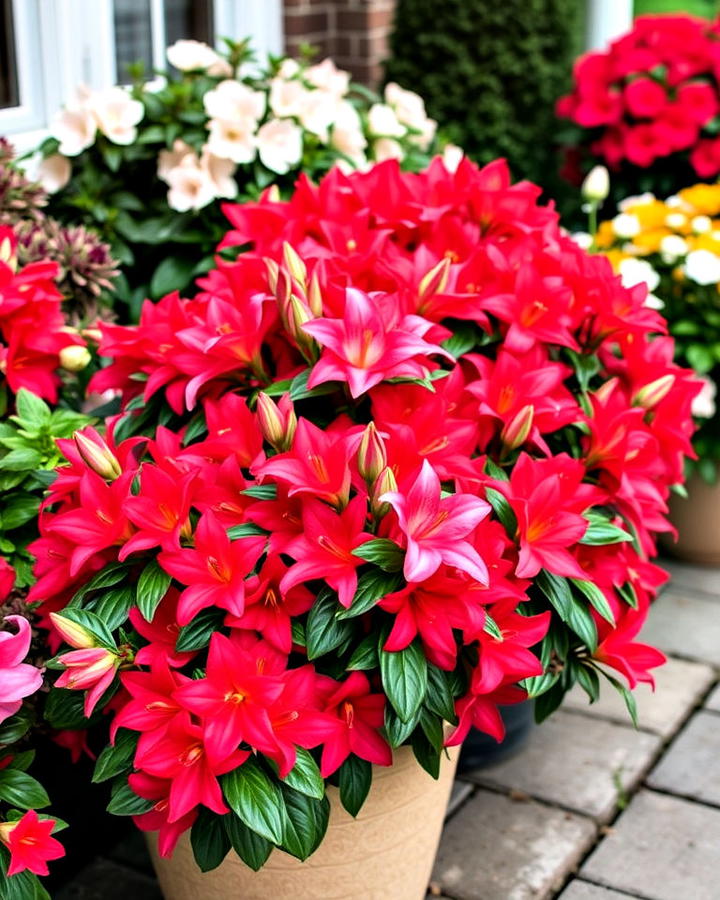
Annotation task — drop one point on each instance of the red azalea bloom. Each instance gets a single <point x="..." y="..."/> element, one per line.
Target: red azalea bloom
<point x="162" y="633"/>
<point x="158" y="789"/>
<point x="358" y="716"/>
<point x="30" y="843"/>
<point x="214" y="570"/>
<point x="159" y="511"/>
<point x="633" y="659"/>
<point x="434" y="528"/>
<point x="243" y="680"/>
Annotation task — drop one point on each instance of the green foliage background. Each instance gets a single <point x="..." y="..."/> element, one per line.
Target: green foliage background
<point x="490" y="73"/>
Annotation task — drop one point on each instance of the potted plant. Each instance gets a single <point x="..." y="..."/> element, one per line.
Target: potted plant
<point x="647" y="107"/>
<point x="147" y="166"/>
<point x="400" y="462"/>
<point x="673" y="247"/>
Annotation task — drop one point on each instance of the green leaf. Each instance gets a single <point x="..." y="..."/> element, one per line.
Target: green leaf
<point x="152" y="586"/>
<point x="209" y="840"/>
<point x="325" y="631"/>
<point x="365" y="655"/>
<point x="116" y="758"/>
<point x="256" y="800"/>
<point x="355" y="778"/>
<point x="586" y="366"/>
<point x="397" y="731"/>
<point x="260" y="492"/>
<point x="252" y="849"/>
<point x="305" y="775"/>
<point x="596" y="597"/>
<point x="537" y="685"/>
<point x="196" y="634"/>
<point x="125" y="802"/>
<point x="548" y="702"/>
<point x="502" y="510"/>
<point x="113" y="606"/>
<point x="247" y="529"/>
<point x="306" y="821"/>
<point x="426" y="754"/>
<point x="601" y="532"/>
<point x="90" y="622"/>
<point x="439" y="697"/>
<point x="173" y="274"/>
<point x="583" y="624"/>
<point x="588" y="680"/>
<point x="22" y="886"/>
<point x="404" y="679"/>
<point x="557" y="590"/>
<point x="300" y="391"/>
<point x="19" y="510"/>
<point x="12" y="729"/>
<point x="383" y="553"/>
<point x="21" y="460"/>
<point x="20" y="789"/>
<point x="107" y="577"/>
<point x="31" y="409"/>
<point x="372" y="587"/>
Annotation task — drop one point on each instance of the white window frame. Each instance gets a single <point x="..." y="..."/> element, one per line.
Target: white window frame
<point x="61" y="44"/>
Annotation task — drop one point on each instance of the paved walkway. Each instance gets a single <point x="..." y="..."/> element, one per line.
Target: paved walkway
<point x="592" y="809"/>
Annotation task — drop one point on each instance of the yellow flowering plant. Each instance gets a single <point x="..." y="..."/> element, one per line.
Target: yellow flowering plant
<point x="673" y="245"/>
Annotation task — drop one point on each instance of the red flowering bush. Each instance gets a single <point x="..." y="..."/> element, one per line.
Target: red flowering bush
<point x="401" y="462"/>
<point x="652" y="99"/>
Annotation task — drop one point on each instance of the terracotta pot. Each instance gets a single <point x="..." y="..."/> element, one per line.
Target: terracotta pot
<point x="697" y="520"/>
<point x="387" y="852"/>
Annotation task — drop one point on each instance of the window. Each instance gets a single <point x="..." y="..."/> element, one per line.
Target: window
<point x="48" y="47"/>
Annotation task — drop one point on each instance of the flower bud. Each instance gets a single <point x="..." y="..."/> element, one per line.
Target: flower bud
<point x="294" y="264"/>
<point x="7" y="253"/>
<point x="372" y="458"/>
<point x="272" y="274"/>
<point x="653" y="393"/>
<point x="384" y="483"/>
<point x="298" y="314"/>
<point x="516" y="431"/>
<point x="74" y="358"/>
<point x="435" y="281"/>
<point x="85" y="667"/>
<point x="72" y="633"/>
<point x="277" y="422"/>
<point x="97" y="456"/>
<point x="596" y="185"/>
<point x="314" y="296"/>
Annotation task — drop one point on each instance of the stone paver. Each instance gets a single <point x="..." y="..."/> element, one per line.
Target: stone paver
<point x="583" y="890"/>
<point x="661" y="848"/>
<point x="685" y="624"/>
<point x="679" y="687"/>
<point x="499" y="849"/>
<point x="704" y="579"/>
<point x="578" y="763"/>
<point x="106" y="880"/>
<point x="692" y="765"/>
<point x="713" y="701"/>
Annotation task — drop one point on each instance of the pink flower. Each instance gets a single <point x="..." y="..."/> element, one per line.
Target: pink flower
<point x="92" y="669"/>
<point x="18" y="679"/>
<point x="30" y="844"/>
<point x="434" y="528"/>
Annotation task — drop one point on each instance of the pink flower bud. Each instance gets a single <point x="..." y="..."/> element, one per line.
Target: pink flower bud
<point x="72" y="633"/>
<point x="277" y="422"/>
<point x="294" y="264"/>
<point x="384" y="483"/>
<point x="653" y="393"/>
<point x="435" y="281"/>
<point x="516" y="431"/>
<point x="85" y="668"/>
<point x="372" y="458"/>
<point x="97" y="455"/>
<point x="314" y="297"/>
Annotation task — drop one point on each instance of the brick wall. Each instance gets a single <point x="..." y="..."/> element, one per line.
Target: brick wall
<point x="354" y="32"/>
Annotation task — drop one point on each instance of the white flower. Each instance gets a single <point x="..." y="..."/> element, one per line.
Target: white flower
<point x="626" y="225"/>
<point x="410" y="110"/>
<point x="596" y="185"/>
<point x="53" y="172"/>
<point x="638" y="200"/>
<point x="638" y="271"/>
<point x="329" y="78"/>
<point x="221" y="173"/>
<point x="191" y="186"/>
<point x="75" y="129"/>
<point x="347" y="136"/>
<point x="387" y="148"/>
<point x="318" y="111"/>
<point x="286" y="97"/>
<point x="452" y="157"/>
<point x="673" y="246"/>
<point x="117" y="114"/>
<point x="232" y="140"/>
<point x="280" y="144"/>
<point x="233" y="102"/>
<point x="169" y="159"/>
<point x="288" y="68"/>
<point x="653" y="302"/>
<point x="676" y="220"/>
<point x="383" y="122"/>
<point x="189" y="56"/>
<point x="703" y="404"/>
<point x="583" y="239"/>
<point x="701" y="224"/>
<point x="702" y="267"/>
<point x="675" y="201"/>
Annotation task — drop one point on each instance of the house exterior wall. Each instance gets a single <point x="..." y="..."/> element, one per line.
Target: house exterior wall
<point x="354" y="32"/>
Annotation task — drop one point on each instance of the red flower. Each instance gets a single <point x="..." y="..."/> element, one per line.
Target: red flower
<point x="30" y="843"/>
<point x="158" y="789"/>
<point x="645" y="98"/>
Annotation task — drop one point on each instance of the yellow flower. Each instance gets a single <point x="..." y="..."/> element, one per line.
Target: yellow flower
<point x="704" y="198"/>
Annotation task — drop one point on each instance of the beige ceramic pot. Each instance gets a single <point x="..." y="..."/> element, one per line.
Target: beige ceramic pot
<point x="386" y="852"/>
<point x="697" y="520"/>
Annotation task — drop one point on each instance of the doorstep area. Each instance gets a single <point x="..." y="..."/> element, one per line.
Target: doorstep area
<point x="592" y="809"/>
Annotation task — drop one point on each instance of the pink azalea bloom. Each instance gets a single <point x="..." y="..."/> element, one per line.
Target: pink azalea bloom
<point x="434" y="528"/>
<point x="93" y="668"/>
<point x="371" y="343"/>
<point x="18" y="679"/>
